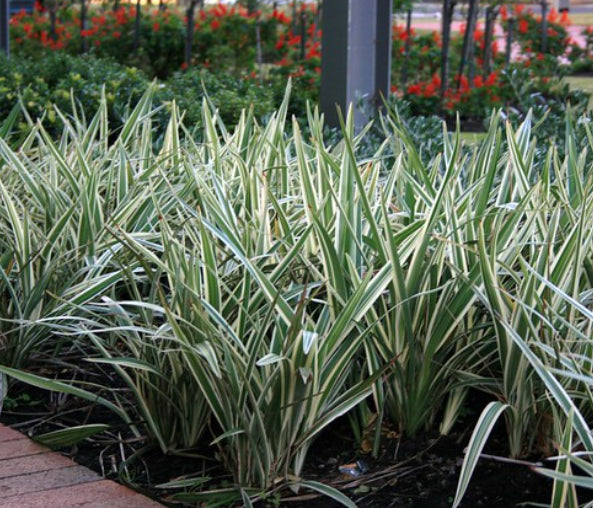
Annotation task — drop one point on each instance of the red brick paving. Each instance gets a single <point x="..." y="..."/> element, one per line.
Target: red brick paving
<point x="32" y="476"/>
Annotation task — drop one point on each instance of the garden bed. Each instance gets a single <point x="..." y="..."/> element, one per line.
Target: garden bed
<point x="407" y="472"/>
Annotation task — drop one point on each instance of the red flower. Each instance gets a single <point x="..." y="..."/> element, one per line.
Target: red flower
<point x="523" y="26"/>
<point x="478" y="81"/>
<point x="156" y="27"/>
<point x="552" y="15"/>
<point x="463" y="83"/>
<point x="184" y="65"/>
<point x="504" y="13"/>
<point x="214" y="24"/>
<point x="116" y="34"/>
<point x="294" y="40"/>
<point x="491" y="79"/>
<point x="220" y="10"/>
<point x="429" y="90"/>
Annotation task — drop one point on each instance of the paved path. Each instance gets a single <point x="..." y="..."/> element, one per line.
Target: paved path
<point x="32" y="476"/>
<point x="574" y="31"/>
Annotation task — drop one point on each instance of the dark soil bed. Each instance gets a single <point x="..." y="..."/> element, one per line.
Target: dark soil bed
<point x="421" y="472"/>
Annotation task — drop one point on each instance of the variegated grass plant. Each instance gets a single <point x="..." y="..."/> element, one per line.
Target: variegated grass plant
<point x="536" y="261"/>
<point x="251" y="286"/>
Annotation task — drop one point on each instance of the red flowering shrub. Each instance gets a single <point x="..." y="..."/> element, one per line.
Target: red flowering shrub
<point x="529" y="31"/>
<point x="224" y="38"/>
<point x="471" y="100"/>
<point x="424" y="55"/>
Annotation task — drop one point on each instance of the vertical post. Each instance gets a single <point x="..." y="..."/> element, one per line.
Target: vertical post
<point x="509" y="41"/>
<point x="189" y="31"/>
<point x="83" y="42"/>
<point x="355" y="65"/>
<point x="303" y="34"/>
<point x="491" y="14"/>
<point x="406" y="63"/>
<point x="136" y="42"/>
<point x="4" y="26"/>
<point x="544" y="26"/>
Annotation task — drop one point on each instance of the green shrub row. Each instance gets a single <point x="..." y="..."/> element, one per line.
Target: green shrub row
<point x="76" y="82"/>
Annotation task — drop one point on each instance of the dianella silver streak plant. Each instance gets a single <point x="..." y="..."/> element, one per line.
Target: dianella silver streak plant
<point x="250" y="286"/>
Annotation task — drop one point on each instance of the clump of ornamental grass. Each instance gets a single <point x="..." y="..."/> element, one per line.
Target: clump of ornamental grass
<point x="251" y="288"/>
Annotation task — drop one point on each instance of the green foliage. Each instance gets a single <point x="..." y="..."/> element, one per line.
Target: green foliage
<point x="72" y="84"/>
<point x="228" y="94"/>
<point x="249" y="285"/>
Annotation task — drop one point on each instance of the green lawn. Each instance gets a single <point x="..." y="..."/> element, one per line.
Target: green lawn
<point x="584" y="83"/>
<point x="472" y="137"/>
<point x="584" y="19"/>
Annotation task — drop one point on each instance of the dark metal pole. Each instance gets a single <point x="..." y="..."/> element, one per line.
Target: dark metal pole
<point x="4" y="26"/>
<point x="355" y="66"/>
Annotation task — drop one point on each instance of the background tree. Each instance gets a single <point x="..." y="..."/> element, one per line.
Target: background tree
<point x="447" y="19"/>
<point x="83" y="45"/>
<point x="467" y="51"/>
<point x="189" y="28"/>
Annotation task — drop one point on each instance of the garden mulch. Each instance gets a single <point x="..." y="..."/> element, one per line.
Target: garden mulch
<point x="33" y="476"/>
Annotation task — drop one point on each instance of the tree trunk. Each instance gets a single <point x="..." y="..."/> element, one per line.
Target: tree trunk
<point x="468" y="38"/>
<point x="84" y="45"/>
<point x="448" y="8"/>
<point x="294" y="17"/>
<point x="509" y="41"/>
<point x="406" y="64"/>
<point x="491" y="13"/>
<point x="260" y="66"/>
<point x="251" y="6"/>
<point x="137" y="29"/>
<point x="52" y="22"/>
<point x="544" y="47"/>
<point x="189" y="30"/>
<point x="303" y="35"/>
